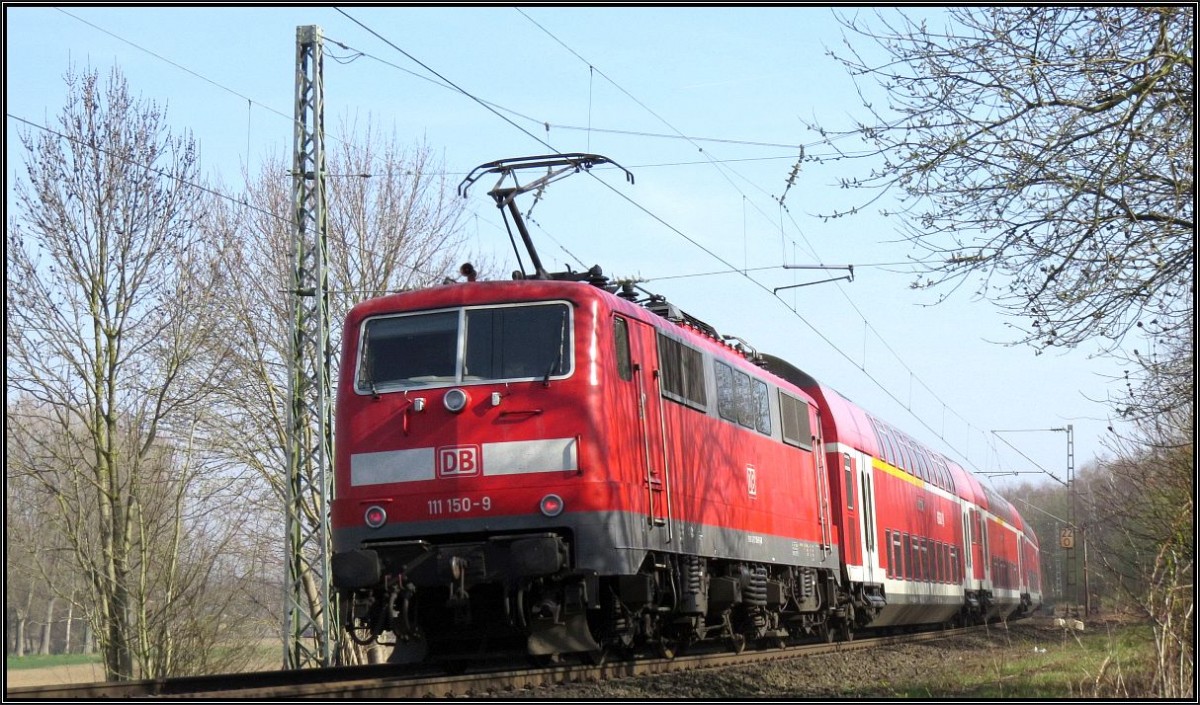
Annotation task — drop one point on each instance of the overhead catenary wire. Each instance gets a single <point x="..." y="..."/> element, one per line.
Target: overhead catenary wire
<point x="680" y="135"/>
<point x="912" y="374"/>
<point x="964" y="456"/>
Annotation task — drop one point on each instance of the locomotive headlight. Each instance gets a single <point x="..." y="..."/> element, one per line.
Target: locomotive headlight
<point x="375" y="516"/>
<point x="455" y="400"/>
<point x="551" y="505"/>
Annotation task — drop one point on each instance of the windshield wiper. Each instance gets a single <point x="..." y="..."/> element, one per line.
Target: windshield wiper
<point x="562" y="343"/>
<point x="369" y="378"/>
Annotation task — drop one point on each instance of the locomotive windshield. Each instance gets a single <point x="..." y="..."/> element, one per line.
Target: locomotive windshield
<point x="477" y="344"/>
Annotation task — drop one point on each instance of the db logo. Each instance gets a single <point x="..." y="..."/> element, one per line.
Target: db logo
<point x="458" y="461"/>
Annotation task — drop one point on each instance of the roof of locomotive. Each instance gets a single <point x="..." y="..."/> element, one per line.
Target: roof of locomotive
<point x="657" y="313"/>
<point x="467" y="294"/>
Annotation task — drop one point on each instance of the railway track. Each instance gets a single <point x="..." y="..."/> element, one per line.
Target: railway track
<point x="385" y="681"/>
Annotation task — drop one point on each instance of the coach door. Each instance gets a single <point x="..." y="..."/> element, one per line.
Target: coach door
<point x="866" y="511"/>
<point x="647" y="378"/>
<point x="968" y="550"/>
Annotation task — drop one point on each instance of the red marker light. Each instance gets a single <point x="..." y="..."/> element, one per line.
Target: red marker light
<point x="552" y="505"/>
<point x="375" y="517"/>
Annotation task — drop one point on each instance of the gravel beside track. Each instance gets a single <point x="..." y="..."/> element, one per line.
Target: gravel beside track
<point x="886" y="672"/>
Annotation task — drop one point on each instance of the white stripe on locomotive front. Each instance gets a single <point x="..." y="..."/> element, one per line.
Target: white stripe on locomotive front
<point x="505" y="458"/>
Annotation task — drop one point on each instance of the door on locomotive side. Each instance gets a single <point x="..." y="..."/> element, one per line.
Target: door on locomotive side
<point x="638" y="375"/>
<point x="821" y="480"/>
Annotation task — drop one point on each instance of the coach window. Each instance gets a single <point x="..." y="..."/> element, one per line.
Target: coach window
<point x="897" y="556"/>
<point x="849" y="481"/>
<point x="893" y="447"/>
<point x="887" y="542"/>
<point x="923" y="463"/>
<point x="621" y="341"/>
<point x="889" y="448"/>
<point x="937" y="472"/>
<point x="908" y="557"/>
<point x="885" y="443"/>
<point x="946" y="470"/>
<point x="909" y="465"/>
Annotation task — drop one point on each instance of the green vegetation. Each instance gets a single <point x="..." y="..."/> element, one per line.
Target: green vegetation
<point x="1116" y="662"/>
<point x="13" y="663"/>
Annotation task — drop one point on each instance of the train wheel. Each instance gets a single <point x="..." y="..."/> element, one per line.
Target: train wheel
<point x="598" y="657"/>
<point x="545" y="660"/>
<point x="738" y="643"/>
<point x="667" y="648"/>
<point x="455" y="667"/>
<point x="773" y="642"/>
<point x="845" y="628"/>
<point x="845" y="633"/>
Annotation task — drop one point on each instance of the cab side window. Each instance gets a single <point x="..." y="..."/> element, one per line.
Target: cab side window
<point x="621" y="342"/>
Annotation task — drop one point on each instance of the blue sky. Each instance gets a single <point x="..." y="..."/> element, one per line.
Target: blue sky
<point x="705" y="105"/>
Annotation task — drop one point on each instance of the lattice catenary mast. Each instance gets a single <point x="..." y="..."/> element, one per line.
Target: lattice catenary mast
<point x="309" y="618"/>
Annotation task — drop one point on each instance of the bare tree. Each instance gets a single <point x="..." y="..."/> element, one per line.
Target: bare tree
<point x="1049" y="150"/>
<point x="24" y="543"/>
<point x="108" y="334"/>
<point x="394" y="224"/>
<point x="1141" y="526"/>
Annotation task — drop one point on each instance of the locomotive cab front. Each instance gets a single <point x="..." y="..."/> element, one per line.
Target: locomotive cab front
<point x="466" y="417"/>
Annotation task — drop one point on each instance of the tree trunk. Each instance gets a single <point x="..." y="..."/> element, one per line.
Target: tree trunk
<point x="47" y="628"/>
<point x="70" y="623"/>
<point x="19" y="650"/>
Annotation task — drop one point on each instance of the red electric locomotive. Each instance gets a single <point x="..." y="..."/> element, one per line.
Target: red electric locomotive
<point x="552" y="465"/>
